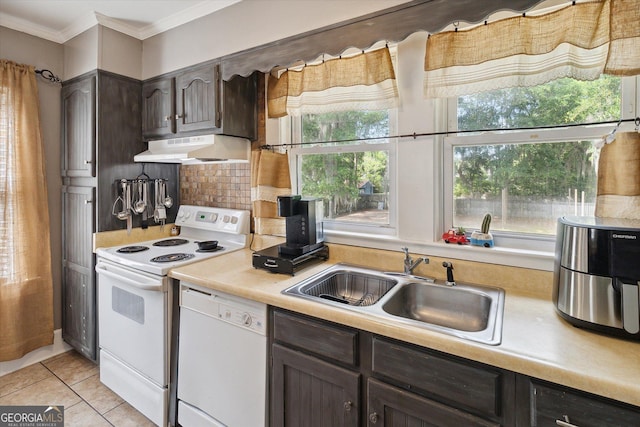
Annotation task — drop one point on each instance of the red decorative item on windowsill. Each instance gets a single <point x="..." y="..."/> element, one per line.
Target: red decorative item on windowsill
<point x="455" y="235"/>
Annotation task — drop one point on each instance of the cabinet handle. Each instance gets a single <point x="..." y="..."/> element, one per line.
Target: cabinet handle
<point x="179" y="116"/>
<point x="373" y="417"/>
<point x="88" y="202"/>
<point x="87" y="162"/>
<point x="565" y="422"/>
<point x="348" y="405"/>
<point x="167" y="118"/>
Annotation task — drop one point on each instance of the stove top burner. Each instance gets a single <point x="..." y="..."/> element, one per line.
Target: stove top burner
<point x="207" y="251"/>
<point x="132" y="249"/>
<point x="171" y="242"/>
<point x="172" y="257"/>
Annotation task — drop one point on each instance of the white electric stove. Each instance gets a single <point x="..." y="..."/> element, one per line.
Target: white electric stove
<point x="135" y="302"/>
<point x="230" y="228"/>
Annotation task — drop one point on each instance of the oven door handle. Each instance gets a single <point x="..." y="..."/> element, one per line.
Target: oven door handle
<point x="130" y="278"/>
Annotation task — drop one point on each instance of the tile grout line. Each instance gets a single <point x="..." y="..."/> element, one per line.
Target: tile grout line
<point x="81" y="398"/>
<point x="29" y="385"/>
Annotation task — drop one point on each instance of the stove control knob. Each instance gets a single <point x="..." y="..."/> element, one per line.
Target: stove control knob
<point x="234" y="220"/>
<point x="246" y="319"/>
<point x="213" y="217"/>
<point x="226" y="219"/>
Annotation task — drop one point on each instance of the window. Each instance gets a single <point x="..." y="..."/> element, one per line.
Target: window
<point x="528" y="178"/>
<point x="351" y="171"/>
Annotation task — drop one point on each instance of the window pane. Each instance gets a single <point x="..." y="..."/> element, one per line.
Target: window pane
<point x="525" y="187"/>
<point x="354" y="186"/>
<point x="563" y="101"/>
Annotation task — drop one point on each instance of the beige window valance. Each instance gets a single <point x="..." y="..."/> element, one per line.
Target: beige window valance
<point x="581" y="41"/>
<point x="362" y="82"/>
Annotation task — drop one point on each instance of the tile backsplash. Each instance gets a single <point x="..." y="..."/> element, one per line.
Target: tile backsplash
<point x="223" y="185"/>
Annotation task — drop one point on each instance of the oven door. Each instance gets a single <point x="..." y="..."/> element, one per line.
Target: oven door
<point x="133" y="315"/>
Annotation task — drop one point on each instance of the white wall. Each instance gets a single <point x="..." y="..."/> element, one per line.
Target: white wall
<point x="43" y="54"/>
<point x="103" y="48"/>
<point x="119" y="53"/>
<point x="81" y="54"/>
<point x="246" y="24"/>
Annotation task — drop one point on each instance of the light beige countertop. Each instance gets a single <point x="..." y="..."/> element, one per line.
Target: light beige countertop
<point x="535" y="340"/>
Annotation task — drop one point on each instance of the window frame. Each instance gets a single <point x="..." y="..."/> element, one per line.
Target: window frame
<point x="515" y="240"/>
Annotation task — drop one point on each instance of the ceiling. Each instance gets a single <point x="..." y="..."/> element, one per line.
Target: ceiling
<point x="61" y="20"/>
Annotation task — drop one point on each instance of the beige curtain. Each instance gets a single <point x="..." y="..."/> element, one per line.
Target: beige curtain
<point x="362" y="82"/>
<point x="619" y="178"/>
<point x="26" y="294"/>
<point x="581" y="41"/>
<point x="270" y="178"/>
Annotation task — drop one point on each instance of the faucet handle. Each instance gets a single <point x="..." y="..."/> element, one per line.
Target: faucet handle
<point x="405" y="250"/>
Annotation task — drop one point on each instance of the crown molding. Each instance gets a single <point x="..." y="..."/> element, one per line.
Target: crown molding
<point x="78" y="27"/>
<point x="24" y="26"/>
<point x="93" y="18"/>
<point x="187" y="15"/>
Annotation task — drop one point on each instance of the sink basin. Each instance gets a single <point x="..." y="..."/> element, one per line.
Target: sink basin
<point x="466" y="311"/>
<point x="350" y="286"/>
<point x="451" y="307"/>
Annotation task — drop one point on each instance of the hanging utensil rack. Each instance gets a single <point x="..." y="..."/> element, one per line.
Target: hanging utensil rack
<point x="137" y="197"/>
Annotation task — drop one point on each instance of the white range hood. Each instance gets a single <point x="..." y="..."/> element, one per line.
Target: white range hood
<point x="197" y="149"/>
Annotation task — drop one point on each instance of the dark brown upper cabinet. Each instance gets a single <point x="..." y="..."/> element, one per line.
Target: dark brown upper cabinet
<point x="79" y="128"/>
<point x="195" y="101"/>
<point x="158" y="107"/>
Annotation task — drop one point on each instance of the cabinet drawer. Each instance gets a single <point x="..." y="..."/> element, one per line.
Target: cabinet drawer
<point x="453" y="381"/>
<point x="551" y="402"/>
<point x="390" y="407"/>
<point x="317" y="337"/>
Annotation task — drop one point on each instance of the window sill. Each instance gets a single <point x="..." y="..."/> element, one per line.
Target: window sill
<point x="524" y="258"/>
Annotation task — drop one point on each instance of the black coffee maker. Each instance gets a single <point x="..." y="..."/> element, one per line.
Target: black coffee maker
<point x="303" y="224"/>
<point x="304" y="236"/>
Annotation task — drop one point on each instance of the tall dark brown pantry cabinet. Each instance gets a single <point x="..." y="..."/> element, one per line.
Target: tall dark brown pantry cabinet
<point x="101" y="132"/>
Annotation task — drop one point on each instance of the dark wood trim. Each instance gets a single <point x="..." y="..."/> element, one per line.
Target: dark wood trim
<point x="393" y="25"/>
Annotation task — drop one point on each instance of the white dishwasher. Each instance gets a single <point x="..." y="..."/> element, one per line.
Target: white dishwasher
<point x="222" y="360"/>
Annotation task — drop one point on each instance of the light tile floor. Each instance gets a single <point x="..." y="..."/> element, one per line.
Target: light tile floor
<point x="72" y="381"/>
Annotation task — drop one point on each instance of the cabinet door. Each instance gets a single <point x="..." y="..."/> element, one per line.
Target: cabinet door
<point x="79" y="128"/>
<point x="306" y="391"/>
<point x="158" y="108"/>
<point x="389" y="406"/>
<point x="197" y="99"/>
<point x="553" y="405"/>
<point x="78" y="277"/>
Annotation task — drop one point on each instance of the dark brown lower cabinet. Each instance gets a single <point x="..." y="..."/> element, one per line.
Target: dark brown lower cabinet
<point x="328" y="375"/>
<point x="307" y="391"/>
<point x="545" y="404"/>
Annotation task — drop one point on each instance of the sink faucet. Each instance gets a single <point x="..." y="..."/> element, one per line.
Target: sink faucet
<point x="449" y="267"/>
<point x="410" y="264"/>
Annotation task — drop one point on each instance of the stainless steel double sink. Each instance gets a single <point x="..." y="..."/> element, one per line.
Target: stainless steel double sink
<point x="466" y="311"/>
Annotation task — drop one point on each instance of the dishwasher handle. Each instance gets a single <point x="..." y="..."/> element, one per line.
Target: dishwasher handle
<point x="199" y="301"/>
<point x="130" y="278"/>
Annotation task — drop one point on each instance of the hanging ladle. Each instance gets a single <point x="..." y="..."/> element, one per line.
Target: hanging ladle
<point x="140" y="204"/>
<point x="168" y="201"/>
